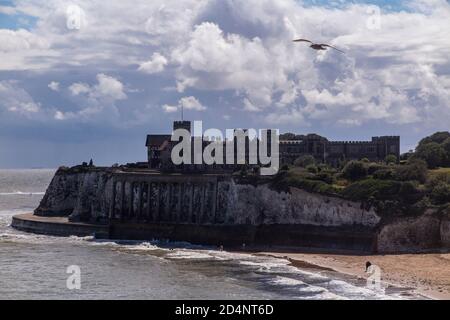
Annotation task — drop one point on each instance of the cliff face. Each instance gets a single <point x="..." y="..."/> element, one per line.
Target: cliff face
<point x="84" y="194"/>
<point x="411" y="234"/>
<point x="80" y="194"/>
<point x="261" y="205"/>
<point x="445" y="230"/>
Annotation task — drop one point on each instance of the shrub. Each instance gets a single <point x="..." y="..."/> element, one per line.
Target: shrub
<point x="441" y="193"/>
<point x="419" y="207"/>
<point x="374" y="167"/>
<point x="439" y="188"/>
<point x="304" y="161"/>
<point x="312" y="169"/>
<point x="408" y="188"/>
<point x="365" y="189"/>
<point x="416" y="169"/>
<point x="391" y="159"/>
<point x="354" y="170"/>
<point x="311" y="185"/>
<point x="440" y="178"/>
<point x="384" y="174"/>
<point x="327" y="177"/>
<point x="325" y="167"/>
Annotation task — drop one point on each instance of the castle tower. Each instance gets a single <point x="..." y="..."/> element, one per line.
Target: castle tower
<point x="182" y="125"/>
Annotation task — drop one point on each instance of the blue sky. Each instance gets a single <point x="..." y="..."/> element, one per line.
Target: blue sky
<point x="94" y="84"/>
<point x="391" y="5"/>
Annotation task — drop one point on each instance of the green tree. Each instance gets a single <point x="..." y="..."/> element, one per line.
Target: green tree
<point x="446" y="146"/>
<point x="433" y="153"/>
<point x="287" y="136"/>
<point x="438" y="137"/>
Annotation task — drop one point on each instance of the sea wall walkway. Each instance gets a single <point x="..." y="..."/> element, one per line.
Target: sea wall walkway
<point x="57" y="226"/>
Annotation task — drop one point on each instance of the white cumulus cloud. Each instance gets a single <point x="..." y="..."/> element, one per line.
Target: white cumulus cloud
<point x="187" y="103"/>
<point x="156" y="64"/>
<point x="15" y="99"/>
<point x="54" y="86"/>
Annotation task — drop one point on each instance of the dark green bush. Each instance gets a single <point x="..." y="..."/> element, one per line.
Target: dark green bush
<point x="378" y="189"/>
<point x="312" y="169"/>
<point x="419" y="207"/>
<point x="374" y="167"/>
<point x="391" y="159"/>
<point x="441" y="193"/>
<point x="311" y="185"/>
<point x="384" y="174"/>
<point x="354" y="170"/>
<point x="416" y="169"/>
<point x="408" y="188"/>
<point x="327" y="177"/>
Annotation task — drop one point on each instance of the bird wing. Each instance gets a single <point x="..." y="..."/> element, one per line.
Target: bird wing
<point x="301" y="40"/>
<point x="327" y="45"/>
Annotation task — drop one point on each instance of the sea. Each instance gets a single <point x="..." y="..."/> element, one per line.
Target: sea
<point x="42" y="267"/>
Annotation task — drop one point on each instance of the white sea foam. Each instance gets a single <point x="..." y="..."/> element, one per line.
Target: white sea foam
<point x="182" y="254"/>
<point x="15" y="193"/>
<point x="145" y="246"/>
<point x="310" y="291"/>
<point x="357" y="292"/>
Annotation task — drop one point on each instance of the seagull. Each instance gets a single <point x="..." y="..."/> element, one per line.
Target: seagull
<point x="317" y="46"/>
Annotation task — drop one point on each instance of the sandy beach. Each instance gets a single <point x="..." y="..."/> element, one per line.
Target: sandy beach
<point x="428" y="273"/>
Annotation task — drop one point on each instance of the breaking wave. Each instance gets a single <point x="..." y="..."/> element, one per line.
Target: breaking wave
<point x="22" y="193"/>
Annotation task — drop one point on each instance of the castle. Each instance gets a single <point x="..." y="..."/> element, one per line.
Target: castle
<point x="334" y="152"/>
<point x="291" y="147"/>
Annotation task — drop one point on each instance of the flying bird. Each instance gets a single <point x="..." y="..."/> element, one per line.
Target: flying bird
<point x="318" y="46"/>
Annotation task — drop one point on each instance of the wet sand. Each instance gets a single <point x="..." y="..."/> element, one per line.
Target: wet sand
<point x="427" y="273"/>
